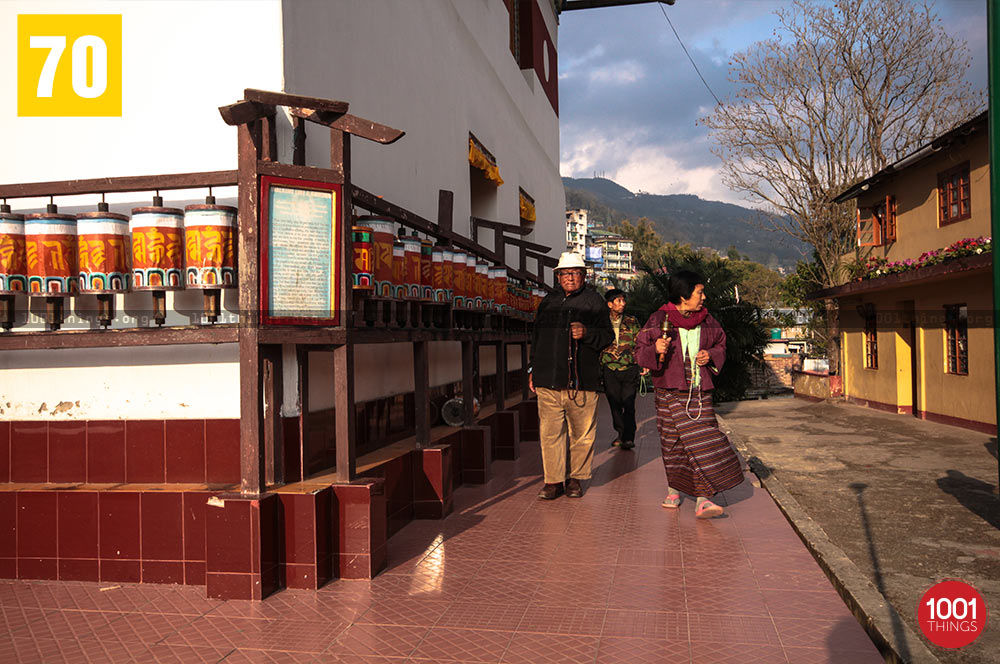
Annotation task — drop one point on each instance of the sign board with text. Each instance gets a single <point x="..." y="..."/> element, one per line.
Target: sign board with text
<point x="301" y="252"/>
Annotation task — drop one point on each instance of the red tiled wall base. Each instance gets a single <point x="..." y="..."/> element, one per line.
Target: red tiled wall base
<point x="121" y="536"/>
<point x="120" y="451"/>
<point x="397" y="476"/>
<point x="241" y="547"/>
<point x="359" y="512"/>
<point x="307" y="552"/>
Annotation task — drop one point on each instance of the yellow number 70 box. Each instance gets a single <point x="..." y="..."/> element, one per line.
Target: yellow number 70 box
<point x="69" y="65"/>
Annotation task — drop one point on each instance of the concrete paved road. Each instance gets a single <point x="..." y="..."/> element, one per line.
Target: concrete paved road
<point x="910" y="502"/>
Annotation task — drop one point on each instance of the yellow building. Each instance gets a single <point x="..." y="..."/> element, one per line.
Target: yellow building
<point x="917" y="338"/>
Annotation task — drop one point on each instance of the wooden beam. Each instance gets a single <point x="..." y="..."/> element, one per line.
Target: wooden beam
<point x="534" y="246"/>
<point x="343" y="356"/>
<point x="285" y="99"/>
<point x="319" y="336"/>
<point x="499" y="225"/>
<point x="379" y="206"/>
<point x="137" y="336"/>
<point x="298" y="141"/>
<point x="120" y="184"/>
<point x="543" y="259"/>
<point x="274" y="442"/>
<point x="351" y="124"/>
<point x="245" y="111"/>
<point x="299" y="172"/>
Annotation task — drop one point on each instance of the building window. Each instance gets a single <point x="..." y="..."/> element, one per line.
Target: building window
<point x="869" y="230"/>
<point x="956" y="326"/>
<point x="871" y="338"/>
<point x="885" y="217"/>
<point x="953" y="195"/>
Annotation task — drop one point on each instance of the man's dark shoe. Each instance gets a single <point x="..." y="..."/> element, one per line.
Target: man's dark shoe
<point x="616" y="443"/>
<point x="551" y="491"/>
<point x="627" y="445"/>
<point x="573" y="488"/>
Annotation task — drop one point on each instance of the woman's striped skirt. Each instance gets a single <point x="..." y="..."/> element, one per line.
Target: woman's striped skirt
<point x="697" y="456"/>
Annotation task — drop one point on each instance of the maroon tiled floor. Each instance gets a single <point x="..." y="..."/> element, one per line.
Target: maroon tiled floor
<point x="609" y="578"/>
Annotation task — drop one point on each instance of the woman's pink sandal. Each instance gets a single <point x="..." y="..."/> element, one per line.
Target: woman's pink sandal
<point x="672" y="501"/>
<point x="708" y="510"/>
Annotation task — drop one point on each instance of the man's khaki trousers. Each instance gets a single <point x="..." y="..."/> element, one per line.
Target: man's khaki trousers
<point x="565" y="421"/>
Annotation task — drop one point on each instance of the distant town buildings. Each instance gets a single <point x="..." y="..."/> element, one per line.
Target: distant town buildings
<point x="608" y="255"/>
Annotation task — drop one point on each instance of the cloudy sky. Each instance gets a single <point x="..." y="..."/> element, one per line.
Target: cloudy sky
<point x="629" y="99"/>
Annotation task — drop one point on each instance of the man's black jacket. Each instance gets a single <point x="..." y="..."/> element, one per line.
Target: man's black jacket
<point x="550" y="341"/>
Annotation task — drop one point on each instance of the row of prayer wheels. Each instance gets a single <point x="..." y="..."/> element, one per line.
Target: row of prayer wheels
<point x="406" y="267"/>
<point x="56" y="255"/>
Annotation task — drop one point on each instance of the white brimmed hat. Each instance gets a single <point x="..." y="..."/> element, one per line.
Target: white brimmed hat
<point x="570" y="259"/>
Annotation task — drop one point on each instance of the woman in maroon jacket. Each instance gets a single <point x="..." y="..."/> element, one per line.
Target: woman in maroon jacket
<point x="682" y="355"/>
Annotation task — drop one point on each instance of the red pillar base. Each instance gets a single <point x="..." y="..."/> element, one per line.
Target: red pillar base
<point x="359" y="528"/>
<point x="506" y="430"/>
<point x="307" y="554"/>
<point x="477" y="455"/>
<point x="242" y="541"/>
<point x="432" y="485"/>
<point x="528" y="412"/>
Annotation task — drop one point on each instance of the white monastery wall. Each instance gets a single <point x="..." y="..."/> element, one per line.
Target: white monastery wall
<point x="181" y="61"/>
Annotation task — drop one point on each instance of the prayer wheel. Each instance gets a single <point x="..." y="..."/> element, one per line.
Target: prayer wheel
<point x="157" y="248"/>
<point x="382" y="243"/>
<point x="13" y="264"/>
<point x="448" y="273"/>
<point x="470" y="281"/>
<point x="438" y="289"/>
<point x="361" y="246"/>
<point x="102" y="246"/>
<point x="483" y="299"/>
<point x="411" y="254"/>
<point x="50" y="250"/>
<point x="499" y="277"/>
<point x="426" y="270"/>
<point x="157" y="254"/>
<point x="458" y="278"/>
<point x="398" y="270"/>
<point x="209" y="232"/>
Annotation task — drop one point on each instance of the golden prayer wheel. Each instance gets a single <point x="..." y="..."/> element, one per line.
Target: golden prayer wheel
<point x="447" y="273"/>
<point x="499" y="277"/>
<point x="470" y="281"/>
<point x="50" y="250"/>
<point x="103" y="251"/>
<point x="157" y="253"/>
<point x="210" y="241"/>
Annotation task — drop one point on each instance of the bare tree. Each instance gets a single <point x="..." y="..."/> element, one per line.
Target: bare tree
<point x="836" y="95"/>
<point x="839" y="93"/>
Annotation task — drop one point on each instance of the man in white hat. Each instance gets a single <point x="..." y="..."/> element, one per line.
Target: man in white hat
<point x="571" y="329"/>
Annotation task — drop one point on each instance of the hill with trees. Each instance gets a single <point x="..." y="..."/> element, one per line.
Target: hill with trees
<point x="686" y="219"/>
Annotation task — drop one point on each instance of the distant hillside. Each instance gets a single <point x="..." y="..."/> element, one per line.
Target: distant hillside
<point x="686" y="218"/>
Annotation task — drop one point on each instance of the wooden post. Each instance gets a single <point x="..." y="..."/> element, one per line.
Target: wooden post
<point x="269" y="139"/>
<point x="446" y="205"/>
<point x="252" y="471"/>
<point x="421" y="397"/>
<point x="468" y="377"/>
<point x="298" y="141"/>
<point x="343" y="356"/>
<point x="303" y="354"/>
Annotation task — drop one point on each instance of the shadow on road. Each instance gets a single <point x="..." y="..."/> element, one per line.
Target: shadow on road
<point x="897" y="626"/>
<point x="975" y="495"/>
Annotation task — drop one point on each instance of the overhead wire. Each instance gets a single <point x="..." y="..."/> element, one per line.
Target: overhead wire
<point x="690" y="59"/>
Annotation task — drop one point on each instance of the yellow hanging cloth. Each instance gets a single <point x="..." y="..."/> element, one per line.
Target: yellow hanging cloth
<point x="479" y="159"/>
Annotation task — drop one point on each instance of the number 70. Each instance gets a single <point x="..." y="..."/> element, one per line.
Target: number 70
<point x="84" y="48"/>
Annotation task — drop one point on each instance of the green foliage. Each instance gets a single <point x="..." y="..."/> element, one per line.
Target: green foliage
<point x="758" y="285"/>
<point x="808" y="278"/>
<point x="746" y="332"/>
